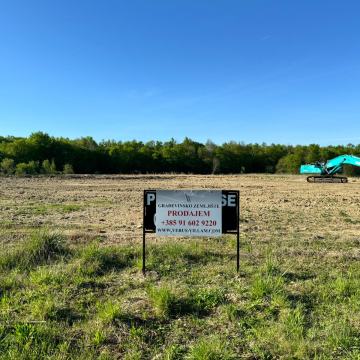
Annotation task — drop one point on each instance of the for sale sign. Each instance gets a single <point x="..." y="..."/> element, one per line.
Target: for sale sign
<point x="188" y="213"/>
<point x="191" y="213"/>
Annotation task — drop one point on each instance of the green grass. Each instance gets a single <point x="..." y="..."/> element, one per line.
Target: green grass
<point x="44" y="209"/>
<point x="165" y="301"/>
<point x="97" y="260"/>
<point x="210" y="348"/>
<point x="64" y="301"/>
<point x="40" y="248"/>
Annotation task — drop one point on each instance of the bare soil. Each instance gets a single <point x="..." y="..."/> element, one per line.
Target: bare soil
<point x="111" y="206"/>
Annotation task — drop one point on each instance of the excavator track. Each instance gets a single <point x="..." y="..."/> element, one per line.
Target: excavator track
<point x="327" y="179"/>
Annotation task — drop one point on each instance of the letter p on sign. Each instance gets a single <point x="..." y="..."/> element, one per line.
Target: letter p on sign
<point x="149" y="198"/>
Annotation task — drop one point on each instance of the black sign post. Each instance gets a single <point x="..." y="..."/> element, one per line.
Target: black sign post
<point x="230" y="219"/>
<point x="149" y="210"/>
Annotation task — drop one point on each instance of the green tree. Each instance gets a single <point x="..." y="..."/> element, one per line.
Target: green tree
<point x="313" y="154"/>
<point x="289" y="164"/>
<point x="85" y="155"/>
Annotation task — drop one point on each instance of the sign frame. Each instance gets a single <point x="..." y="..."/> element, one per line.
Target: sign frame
<point x="227" y="228"/>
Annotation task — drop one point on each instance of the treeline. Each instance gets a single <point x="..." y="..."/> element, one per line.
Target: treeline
<point x="43" y="154"/>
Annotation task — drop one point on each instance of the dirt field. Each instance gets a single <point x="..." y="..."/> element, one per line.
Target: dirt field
<point x="111" y="207"/>
<point x="300" y="252"/>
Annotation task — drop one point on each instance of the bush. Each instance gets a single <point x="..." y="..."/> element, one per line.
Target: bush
<point x="350" y="170"/>
<point x="30" y="168"/>
<point x="68" y="169"/>
<point x="48" y="168"/>
<point x="7" y="166"/>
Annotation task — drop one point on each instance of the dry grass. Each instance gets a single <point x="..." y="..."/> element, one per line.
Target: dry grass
<point x="112" y="206"/>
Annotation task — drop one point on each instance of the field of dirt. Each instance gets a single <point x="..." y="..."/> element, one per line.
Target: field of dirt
<point x="111" y="207"/>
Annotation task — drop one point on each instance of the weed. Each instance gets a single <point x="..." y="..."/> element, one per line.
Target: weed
<point x="294" y="321"/>
<point x="233" y="312"/>
<point x="265" y="287"/>
<point x="344" y="287"/>
<point x="99" y="337"/>
<point x="164" y="300"/>
<point x="204" y="300"/>
<point x="109" y="311"/>
<point x="271" y="266"/>
<point x="210" y="348"/>
<point x="38" y="249"/>
<point x="173" y="352"/>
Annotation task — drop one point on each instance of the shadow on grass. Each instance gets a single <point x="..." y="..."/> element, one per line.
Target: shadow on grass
<point x="95" y="260"/>
<point x="131" y="320"/>
<point x="63" y="314"/>
<point x="91" y="284"/>
<point x="292" y="276"/>
<point x="167" y="258"/>
<point x="308" y="303"/>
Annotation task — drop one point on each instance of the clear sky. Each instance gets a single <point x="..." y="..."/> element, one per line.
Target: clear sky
<point x="245" y="70"/>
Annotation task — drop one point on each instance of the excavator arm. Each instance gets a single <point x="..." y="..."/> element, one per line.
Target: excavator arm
<point x="335" y="165"/>
<point x="326" y="171"/>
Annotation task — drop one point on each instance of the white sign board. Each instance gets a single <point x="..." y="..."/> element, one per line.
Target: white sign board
<point x="188" y="213"/>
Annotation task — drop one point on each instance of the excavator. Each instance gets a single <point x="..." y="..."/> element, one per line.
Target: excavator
<point x="326" y="171"/>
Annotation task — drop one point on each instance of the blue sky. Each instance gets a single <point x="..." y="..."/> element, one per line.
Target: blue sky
<point x="245" y="70"/>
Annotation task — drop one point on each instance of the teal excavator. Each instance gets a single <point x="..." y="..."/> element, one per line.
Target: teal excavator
<point x="326" y="171"/>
